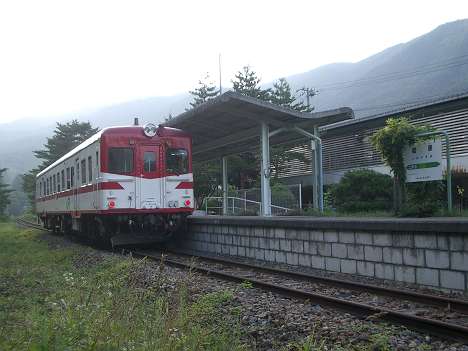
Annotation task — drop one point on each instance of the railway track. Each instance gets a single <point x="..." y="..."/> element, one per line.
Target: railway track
<point x="242" y="272"/>
<point x="27" y="224"/>
<point x="291" y="284"/>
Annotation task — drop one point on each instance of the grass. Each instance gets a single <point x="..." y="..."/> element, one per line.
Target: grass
<point x="49" y="302"/>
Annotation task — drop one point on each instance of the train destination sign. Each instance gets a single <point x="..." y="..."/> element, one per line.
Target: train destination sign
<point x="423" y="161"/>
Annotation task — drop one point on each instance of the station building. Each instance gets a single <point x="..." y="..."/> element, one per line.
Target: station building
<point x="346" y="145"/>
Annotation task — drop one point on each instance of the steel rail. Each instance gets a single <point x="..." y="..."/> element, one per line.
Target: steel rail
<point x="431" y="326"/>
<point x="28" y="224"/>
<point x="450" y="303"/>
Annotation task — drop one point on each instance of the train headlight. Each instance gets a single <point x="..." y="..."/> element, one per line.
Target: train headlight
<point x="150" y="130"/>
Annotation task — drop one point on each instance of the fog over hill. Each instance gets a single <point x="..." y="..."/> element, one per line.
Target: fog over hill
<point x="429" y="67"/>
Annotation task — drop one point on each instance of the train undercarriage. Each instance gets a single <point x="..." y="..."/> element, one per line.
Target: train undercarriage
<point x="118" y="230"/>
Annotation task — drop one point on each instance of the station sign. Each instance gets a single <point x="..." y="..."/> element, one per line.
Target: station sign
<point x="423" y="161"/>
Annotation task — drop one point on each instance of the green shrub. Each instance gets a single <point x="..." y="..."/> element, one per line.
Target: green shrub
<point x="362" y="190"/>
<point x="424" y="199"/>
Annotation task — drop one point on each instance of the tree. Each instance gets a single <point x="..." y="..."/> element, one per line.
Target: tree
<point x="206" y="90"/>
<point x="29" y="186"/>
<point x="18" y="199"/>
<point x="4" y="193"/>
<point x="247" y="82"/>
<point x="206" y="178"/>
<point x="390" y="141"/>
<point x="281" y="95"/>
<point x="66" y="137"/>
<point x="281" y="156"/>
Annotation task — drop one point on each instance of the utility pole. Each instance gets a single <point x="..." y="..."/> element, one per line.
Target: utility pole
<point x="308" y="93"/>
<point x="316" y="163"/>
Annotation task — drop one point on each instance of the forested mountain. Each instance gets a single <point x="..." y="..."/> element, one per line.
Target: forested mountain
<point x="430" y="66"/>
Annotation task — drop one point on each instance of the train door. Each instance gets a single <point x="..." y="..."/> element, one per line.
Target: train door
<point x="96" y="182"/>
<point x="150" y="182"/>
<point x="74" y="175"/>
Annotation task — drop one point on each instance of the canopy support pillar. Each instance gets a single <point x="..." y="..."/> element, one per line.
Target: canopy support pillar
<point x="315" y="171"/>
<point x="225" y="186"/>
<point x="316" y="144"/>
<point x="265" y="170"/>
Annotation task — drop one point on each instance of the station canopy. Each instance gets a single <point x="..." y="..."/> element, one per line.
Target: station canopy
<point x="231" y="124"/>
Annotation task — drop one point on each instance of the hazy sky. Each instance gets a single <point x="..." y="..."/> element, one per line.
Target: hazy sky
<point x="63" y="56"/>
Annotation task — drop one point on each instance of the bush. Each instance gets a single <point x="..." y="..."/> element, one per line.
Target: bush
<point x="363" y="190"/>
<point x="424" y="199"/>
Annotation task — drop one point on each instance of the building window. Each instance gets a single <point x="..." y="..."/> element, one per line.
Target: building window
<point x="149" y="161"/>
<point x="120" y="160"/>
<point x="90" y="169"/>
<point x="176" y="161"/>
<point x="83" y="171"/>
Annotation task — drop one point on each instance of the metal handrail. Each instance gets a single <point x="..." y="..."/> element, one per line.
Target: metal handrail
<point x="240" y="199"/>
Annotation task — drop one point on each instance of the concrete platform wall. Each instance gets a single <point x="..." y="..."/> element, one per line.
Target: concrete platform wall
<point x="427" y="252"/>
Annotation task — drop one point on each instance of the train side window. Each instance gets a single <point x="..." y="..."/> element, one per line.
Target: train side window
<point x="83" y="172"/>
<point x="149" y="161"/>
<point x="40" y="188"/>
<point x="63" y="179"/>
<point x="120" y="160"/>
<point x="72" y="176"/>
<point x="176" y="161"/>
<point x="55" y="184"/>
<point x="47" y="187"/>
<point x="90" y="169"/>
<point x="68" y="177"/>
<point x="58" y="182"/>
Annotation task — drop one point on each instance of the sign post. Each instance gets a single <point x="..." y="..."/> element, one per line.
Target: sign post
<point x="423" y="162"/>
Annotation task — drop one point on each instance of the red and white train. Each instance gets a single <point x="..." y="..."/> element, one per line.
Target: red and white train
<point x="124" y="185"/>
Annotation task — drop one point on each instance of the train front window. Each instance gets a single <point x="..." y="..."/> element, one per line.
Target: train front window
<point x="120" y="160"/>
<point x="149" y="161"/>
<point x="176" y="161"/>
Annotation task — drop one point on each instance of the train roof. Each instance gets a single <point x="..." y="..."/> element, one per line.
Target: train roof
<point x="133" y="131"/>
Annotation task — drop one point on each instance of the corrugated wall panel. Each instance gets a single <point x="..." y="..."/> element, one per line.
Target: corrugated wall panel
<point x="354" y="150"/>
